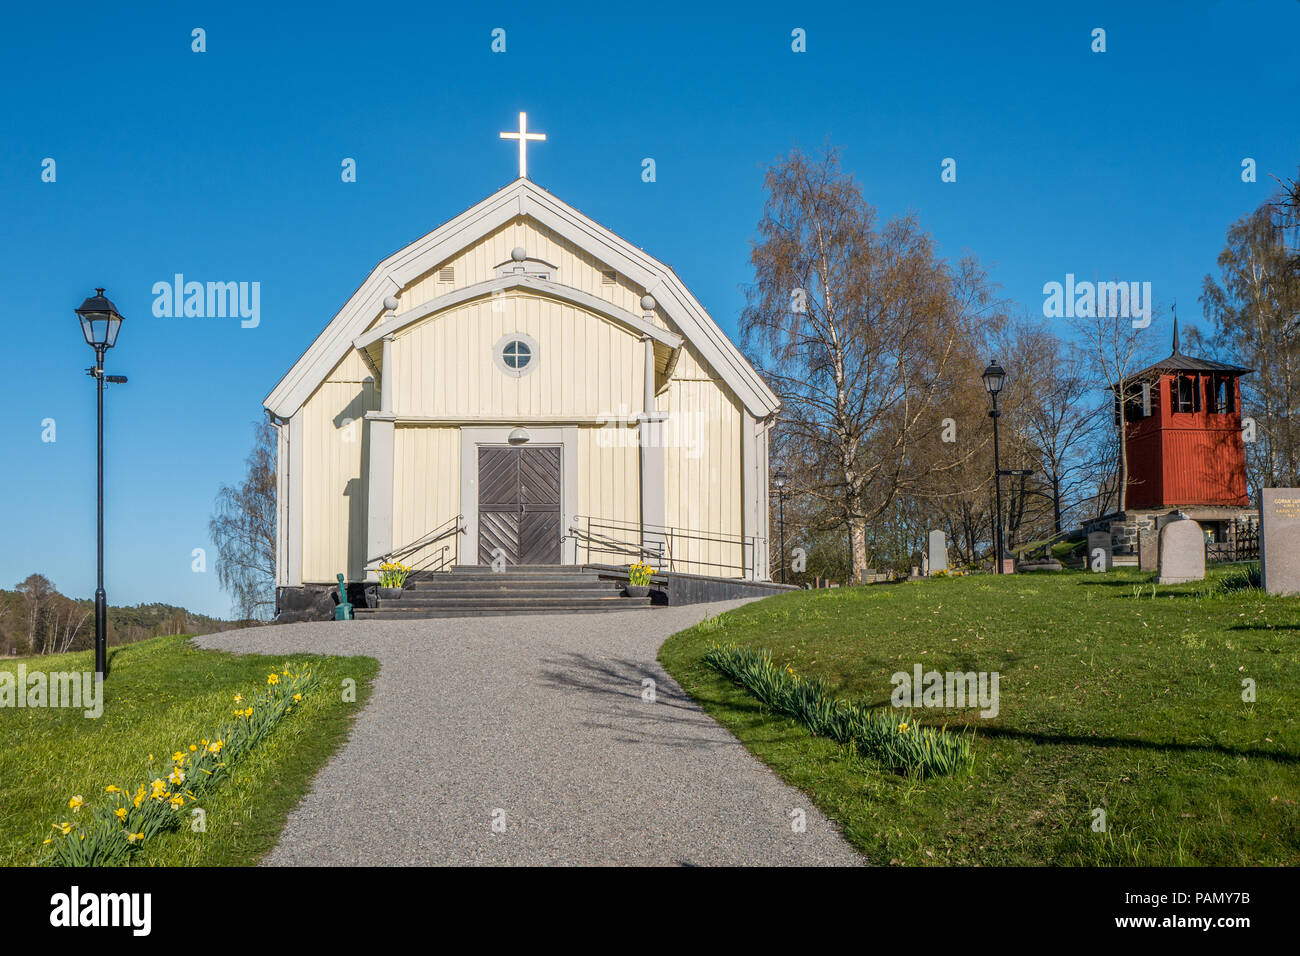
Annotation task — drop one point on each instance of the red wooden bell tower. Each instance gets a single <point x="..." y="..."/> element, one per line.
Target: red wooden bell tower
<point x="1184" y="434"/>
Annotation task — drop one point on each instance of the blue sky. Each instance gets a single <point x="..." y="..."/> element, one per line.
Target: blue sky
<point x="225" y="166"/>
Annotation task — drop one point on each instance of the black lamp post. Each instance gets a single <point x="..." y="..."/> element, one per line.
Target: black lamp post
<point x="994" y="377"/>
<point x="782" y="481"/>
<point x="100" y="322"/>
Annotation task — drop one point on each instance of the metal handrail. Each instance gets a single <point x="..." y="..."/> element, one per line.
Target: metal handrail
<point x="447" y="554"/>
<point x="663" y="545"/>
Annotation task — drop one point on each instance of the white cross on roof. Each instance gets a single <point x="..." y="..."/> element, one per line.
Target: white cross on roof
<point x="523" y="136"/>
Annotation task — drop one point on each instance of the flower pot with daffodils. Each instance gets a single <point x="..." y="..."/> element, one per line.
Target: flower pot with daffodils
<point x="638" y="580"/>
<point x="392" y="578"/>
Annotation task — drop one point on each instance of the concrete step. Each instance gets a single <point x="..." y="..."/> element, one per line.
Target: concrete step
<point x="388" y="612"/>
<point x="508" y="600"/>
<point x="531" y="586"/>
<point x="514" y="569"/>
<point x="492" y="594"/>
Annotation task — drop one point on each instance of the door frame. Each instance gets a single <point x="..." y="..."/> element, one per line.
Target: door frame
<point x="564" y="437"/>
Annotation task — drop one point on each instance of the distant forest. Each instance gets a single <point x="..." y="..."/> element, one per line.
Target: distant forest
<point x="36" y="619"/>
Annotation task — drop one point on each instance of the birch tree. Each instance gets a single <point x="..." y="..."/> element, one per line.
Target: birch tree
<point x="855" y="326"/>
<point x="243" y="530"/>
<point x="1255" y="308"/>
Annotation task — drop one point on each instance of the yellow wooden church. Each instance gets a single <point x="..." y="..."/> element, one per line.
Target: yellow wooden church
<point x="523" y="386"/>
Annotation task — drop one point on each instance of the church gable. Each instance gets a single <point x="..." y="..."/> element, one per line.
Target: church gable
<point x="547" y="254"/>
<point x="479" y="242"/>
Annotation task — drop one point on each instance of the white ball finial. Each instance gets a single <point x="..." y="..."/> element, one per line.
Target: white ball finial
<point x="390" y="303"/>
<point x="648" y="303"/>
<point x="518" y="254"/>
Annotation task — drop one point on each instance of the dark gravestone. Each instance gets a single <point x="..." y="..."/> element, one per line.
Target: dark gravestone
<point x="1099" y="541"/>
<point x="1148" y="550"/>
<point x="1279" y="540"/>
<point x="1039" y="564"/>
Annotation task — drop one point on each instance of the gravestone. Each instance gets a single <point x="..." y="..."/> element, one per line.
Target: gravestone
<point x="1279" y="540"/>
<point x="1148" y="550"/>
<point x="1182" y="552"/>
<point x="1099" y="541"/>
<point x="938" y="551"/>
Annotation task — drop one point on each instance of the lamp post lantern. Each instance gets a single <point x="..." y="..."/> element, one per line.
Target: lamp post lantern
<point x="994" y="378"/>
<point x="781" y="481"/>
<point x="100" y="323"/>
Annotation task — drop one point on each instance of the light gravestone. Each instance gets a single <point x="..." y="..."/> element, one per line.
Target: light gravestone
<point x="1279" y="540"/>
<point x="1182" y="552"/>
<point x="1100" y="541"/>
<point x="938" y="551"/>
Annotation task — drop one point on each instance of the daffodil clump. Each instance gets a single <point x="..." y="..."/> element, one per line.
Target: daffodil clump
<point x="124" y="819"/>
<point x="886" y="735"/>
<point x="638" y="575"/>
<point x="393" y="574"/>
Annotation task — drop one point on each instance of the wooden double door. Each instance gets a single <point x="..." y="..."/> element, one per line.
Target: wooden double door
<point x="519" y="505"/>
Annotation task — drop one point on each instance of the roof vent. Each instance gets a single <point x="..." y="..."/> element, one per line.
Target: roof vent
<point x="447" y="274"/>
<point x="608" y="278"/>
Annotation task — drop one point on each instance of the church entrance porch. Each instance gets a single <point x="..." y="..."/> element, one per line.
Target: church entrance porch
<point x="519" y="519"/>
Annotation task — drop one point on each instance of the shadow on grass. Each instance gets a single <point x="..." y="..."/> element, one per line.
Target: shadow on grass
<point x="1076" y="740"/>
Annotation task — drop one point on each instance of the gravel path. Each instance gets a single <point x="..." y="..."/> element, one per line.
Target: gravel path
<point x="540" y="721"/>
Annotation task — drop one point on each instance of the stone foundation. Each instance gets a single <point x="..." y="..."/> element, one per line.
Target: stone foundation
<point x="316" y="602"/>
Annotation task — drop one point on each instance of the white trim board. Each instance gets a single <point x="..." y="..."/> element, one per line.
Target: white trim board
<point x="578" y="297"/>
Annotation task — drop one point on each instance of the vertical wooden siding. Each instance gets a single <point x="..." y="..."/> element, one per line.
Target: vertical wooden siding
<point x="704" y="471"/>
<point x="334" y="496"/>
<point x="586" y="366"/>
<point x="426" y="479"/>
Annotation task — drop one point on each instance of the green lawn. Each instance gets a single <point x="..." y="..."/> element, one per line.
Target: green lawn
<point x="162" y="694"/>
<point x="1109" y="699"/>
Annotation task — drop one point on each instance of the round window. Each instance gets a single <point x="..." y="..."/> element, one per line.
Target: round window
<point x="516" y="354"/>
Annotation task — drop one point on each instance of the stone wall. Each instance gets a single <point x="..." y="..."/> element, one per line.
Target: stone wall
<point x="316" y="602"/>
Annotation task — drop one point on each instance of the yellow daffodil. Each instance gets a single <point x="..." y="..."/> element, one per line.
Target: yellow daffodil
<point x="273" y="678"/>
<point x="902" y="727"/>
<point x="248" y="712"/>
<point x="76" y="803"/>
<point x="64" y="828"/>
<point x="133" y="837"/>
<point x="178" y="757"/>
<point x="177" y="801"/>
<point x="297" y="696"/>
<point x="120" y="813"/>
<point x="112" y="789"/>
<point x="215" y="746"/>
<point x="177" y="776"/>
<point x="193" y="747"/>
<point x="239" y="698"/>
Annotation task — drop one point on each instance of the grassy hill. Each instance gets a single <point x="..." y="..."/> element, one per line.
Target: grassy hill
<point x="1115" y="695"/>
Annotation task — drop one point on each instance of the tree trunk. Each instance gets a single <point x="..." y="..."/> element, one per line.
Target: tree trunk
<point x="858" y="538"/>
